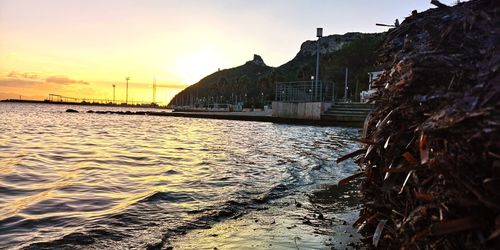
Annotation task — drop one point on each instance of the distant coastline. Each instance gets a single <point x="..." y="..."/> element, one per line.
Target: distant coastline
<point x="87" y="103"/>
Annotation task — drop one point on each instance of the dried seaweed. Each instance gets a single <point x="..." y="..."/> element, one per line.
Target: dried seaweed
<point x="432" y="164"/>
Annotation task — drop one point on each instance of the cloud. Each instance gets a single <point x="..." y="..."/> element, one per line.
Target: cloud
<point x="16" y="82"/>
<point x="10" y="95"/>
<point x="15" y="78"/>
<point x="64" y="80"/>
<point x="26" y="75"/>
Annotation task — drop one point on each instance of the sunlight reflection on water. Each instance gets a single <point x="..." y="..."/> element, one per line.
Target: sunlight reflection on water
<point x="62" y="173"/>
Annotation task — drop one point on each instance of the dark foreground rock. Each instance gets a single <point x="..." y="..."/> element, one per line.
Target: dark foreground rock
<point x="432" y="156"/>
<point x="71" y="111"/>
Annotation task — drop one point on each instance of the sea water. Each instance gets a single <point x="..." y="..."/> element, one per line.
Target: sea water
<point x="101" y="180"/>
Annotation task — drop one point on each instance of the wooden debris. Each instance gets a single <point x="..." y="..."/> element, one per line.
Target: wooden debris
<point x="424" y="150"/>
<point x="439" y="4"/>
<point x="378" y="232"/>
<point x="345" y="181"/>
<point x="453" y="226"/>
<point x="432" y="161"/>
<point x="351" y="155"/>
<point x="409" y="157"/>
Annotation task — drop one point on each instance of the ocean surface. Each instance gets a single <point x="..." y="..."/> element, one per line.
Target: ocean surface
<point x="82" y="180"/>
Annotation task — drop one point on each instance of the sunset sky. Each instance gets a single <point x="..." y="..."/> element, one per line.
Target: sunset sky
<point x="79" y="48"/>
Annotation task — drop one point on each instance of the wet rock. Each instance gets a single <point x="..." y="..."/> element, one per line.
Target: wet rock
<point x="320" y="216"/>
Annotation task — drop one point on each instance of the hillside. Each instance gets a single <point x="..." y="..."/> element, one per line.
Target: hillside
<point x="254" y="82"/>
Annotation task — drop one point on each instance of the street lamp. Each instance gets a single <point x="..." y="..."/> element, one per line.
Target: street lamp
<point x="126" y="95"/>
<point x="311" y="92"/>
<point x="319" y="34"/>
<point x="345" y="84"/>
<point x="114" y="93"/>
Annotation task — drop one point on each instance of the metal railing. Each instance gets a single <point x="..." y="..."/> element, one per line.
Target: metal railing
<point x="305" y="91"/>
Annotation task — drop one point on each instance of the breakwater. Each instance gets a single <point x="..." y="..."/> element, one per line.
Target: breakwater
<point x="238" y="116"/>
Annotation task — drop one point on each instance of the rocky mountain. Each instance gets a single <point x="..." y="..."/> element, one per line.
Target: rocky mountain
<point x="254" y="82"/>
<point x="227" y="86"/>
<point x="332" y="43"/>
<point x="257" y="60"/>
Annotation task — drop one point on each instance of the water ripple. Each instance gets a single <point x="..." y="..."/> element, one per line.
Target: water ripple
<point x="74" y="180"/>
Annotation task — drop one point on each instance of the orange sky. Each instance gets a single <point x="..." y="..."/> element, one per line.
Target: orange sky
<point x="80" y="48"/>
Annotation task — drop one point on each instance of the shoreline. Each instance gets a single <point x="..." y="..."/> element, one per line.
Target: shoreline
<point x="238" y="116"/>
<point x="257" y="116"/>
<point x="317" y="219"/>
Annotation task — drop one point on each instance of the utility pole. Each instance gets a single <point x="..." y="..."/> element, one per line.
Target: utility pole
<point x="345" y="84"/>
<point x="126" y="95"/>
<point x="319" y="34"/>
<point x="114" y="86"/>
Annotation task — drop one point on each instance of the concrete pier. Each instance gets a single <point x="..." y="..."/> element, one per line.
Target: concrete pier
<point x="300" y="110"/>
<point x="240" y="116"/>
<point x="347" y="112"/>
<point x="343" y="114"/>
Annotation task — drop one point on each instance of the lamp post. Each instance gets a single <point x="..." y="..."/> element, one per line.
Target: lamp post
<point x="311" y="91"/>
<point x="114" y="93"/>
<point x="126" y="95"/>
<point x="345" y="84"/>
<point x="319" y="34"/>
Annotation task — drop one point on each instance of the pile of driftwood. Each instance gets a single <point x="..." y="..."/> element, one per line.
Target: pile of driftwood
<point x="431" y="163"/>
